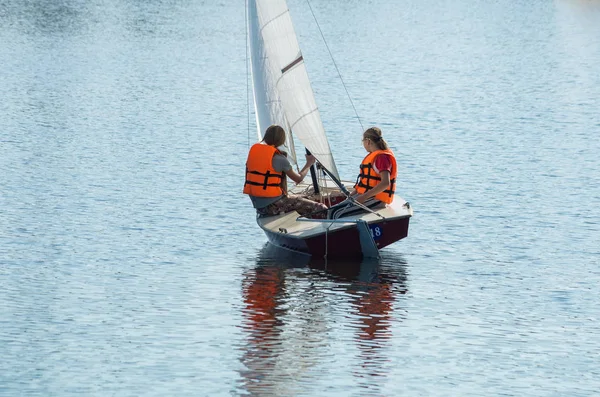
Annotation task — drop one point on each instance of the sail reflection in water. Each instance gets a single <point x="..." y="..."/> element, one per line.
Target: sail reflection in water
<point x="304" y="316"/>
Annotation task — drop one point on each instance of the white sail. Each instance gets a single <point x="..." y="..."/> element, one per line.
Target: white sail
<point x="282" y="92"/>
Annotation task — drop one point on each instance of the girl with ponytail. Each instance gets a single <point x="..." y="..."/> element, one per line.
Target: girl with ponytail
<point x="377" y="178"/>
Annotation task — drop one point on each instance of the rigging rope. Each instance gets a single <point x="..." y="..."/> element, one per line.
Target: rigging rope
<point x="247" y="74"/>
<point x="335" y="64"/>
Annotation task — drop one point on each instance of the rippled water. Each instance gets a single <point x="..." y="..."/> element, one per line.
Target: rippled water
<point x="131" y="264"/>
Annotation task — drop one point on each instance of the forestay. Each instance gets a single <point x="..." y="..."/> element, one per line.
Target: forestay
<point x="282" y="91"/>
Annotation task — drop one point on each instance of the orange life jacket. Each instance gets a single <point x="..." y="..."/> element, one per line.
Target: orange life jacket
<point x="368" y="178"/>
<point x="261" y="178"/>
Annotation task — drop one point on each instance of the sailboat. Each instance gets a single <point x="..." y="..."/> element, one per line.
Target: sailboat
<point x="283" y="95"/>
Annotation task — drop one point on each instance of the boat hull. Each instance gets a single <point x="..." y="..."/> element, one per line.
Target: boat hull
<point x="343" y="242"/>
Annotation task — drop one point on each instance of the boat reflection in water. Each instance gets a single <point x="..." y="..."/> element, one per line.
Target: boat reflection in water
<point x="302" y="315"/>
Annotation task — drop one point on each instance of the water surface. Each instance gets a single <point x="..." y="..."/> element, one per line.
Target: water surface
<point x="131" y="264"/>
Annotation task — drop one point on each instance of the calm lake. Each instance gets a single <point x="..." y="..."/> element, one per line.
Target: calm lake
<point x="131" y="263"/>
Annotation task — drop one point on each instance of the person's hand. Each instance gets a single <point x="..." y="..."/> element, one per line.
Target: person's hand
<point x="360" y="198"/>
<point x="310" y="159"/>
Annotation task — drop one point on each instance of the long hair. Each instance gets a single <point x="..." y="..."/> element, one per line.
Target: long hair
<point x="374" y="135"/>
<point x="274" y="136"/>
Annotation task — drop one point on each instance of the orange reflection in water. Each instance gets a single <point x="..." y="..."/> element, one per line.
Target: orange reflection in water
<point x="272" y="353"/>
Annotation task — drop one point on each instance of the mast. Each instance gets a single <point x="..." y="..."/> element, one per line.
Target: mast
<point x="313" y="176"/>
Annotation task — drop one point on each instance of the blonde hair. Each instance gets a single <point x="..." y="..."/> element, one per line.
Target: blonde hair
<point x="374" y="135"/>
<point x="274" y="136"/>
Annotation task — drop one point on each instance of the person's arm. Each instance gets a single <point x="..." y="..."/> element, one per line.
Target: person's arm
<point x="383" y="184"/>
<point x="299" y="177"/>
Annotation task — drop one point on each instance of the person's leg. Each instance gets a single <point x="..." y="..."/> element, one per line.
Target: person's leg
<point x="348" y="207"/>
<point x="330" y="199"/>
<point x="295" y="203"/>
<point x="306" y="207"/>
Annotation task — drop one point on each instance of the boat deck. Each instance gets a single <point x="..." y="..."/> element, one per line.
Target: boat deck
<point x="294" y="225"/>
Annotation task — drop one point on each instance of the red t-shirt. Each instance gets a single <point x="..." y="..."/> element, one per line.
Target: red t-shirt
<point x="382" y="163"/>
